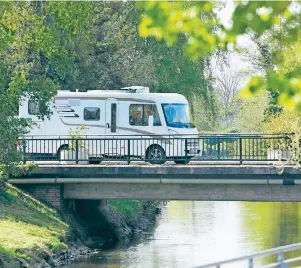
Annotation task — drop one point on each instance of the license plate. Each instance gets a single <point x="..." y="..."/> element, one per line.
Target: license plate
<point x="193" y="151"/>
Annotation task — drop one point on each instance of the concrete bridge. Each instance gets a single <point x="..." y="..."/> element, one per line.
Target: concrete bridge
<point x="55" y="183"/>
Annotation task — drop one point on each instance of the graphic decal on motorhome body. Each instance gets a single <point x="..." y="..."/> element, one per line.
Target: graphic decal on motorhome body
<point x="64" y="109"/>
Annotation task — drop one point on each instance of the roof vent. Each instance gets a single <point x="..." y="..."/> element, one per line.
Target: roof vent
<point x="136" y="89"/>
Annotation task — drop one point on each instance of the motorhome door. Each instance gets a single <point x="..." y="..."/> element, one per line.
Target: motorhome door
<point x="111" y="146"/>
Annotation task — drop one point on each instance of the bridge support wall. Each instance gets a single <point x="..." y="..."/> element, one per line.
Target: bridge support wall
<point x="51" y="194"/>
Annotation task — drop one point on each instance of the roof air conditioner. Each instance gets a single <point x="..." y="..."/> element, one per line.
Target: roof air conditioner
<point x="136" y="89"/>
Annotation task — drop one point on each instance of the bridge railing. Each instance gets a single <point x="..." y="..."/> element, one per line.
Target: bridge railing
<point x="155" y="149"/>
<point x="249" y="259"/>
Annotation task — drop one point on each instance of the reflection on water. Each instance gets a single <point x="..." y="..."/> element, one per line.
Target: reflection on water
<point x="190" y="233"/>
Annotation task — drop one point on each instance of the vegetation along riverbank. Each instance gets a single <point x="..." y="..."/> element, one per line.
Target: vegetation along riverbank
<point x="35" y="235"/>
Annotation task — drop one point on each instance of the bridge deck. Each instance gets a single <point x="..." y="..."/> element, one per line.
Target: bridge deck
<point x="229" y="182"/>
<point x="165" y="171"/>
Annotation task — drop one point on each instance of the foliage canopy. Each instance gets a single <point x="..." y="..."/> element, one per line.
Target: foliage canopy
<point x="170" y="20"/>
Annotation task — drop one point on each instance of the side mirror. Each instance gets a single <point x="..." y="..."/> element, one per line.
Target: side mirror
<point x="150" y="121"/>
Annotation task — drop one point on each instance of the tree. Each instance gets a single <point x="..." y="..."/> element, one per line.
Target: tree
<point x="168" y="20"/>
<point x="36" y="59"/>
<point x="121" y="58"/>
<point x="251" y="114"/>
<point x="227" y="85"/>
<point x="288" y="121"/>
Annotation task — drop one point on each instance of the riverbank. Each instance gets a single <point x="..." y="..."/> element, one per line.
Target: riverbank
<point x="31" y="233"/>
<point x="35" y="235"/>
<point x="137" y="213"/>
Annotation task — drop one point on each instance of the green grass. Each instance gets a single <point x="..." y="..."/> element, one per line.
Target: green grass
<point x="129" y="208"/>
<point x="132" y="209"/>
<point x="27" y="226"/>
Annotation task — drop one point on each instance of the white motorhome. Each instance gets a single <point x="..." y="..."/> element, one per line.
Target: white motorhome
<point x="117" y="116"/>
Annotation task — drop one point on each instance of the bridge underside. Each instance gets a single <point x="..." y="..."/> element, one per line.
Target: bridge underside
<point x="203" y="192"/>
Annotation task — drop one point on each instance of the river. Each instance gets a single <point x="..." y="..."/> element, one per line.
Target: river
<point x="191" y="233"/>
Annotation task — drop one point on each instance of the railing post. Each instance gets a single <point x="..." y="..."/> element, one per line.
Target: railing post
<point x="218" y="149"/>
<point x="24" y="151"/>
<point x="129" y="151"/>
<point x="186" y="151"/>
<point x="76" y="151"/>
<point x="240" y="150"/>
<point x="280" y="261"/>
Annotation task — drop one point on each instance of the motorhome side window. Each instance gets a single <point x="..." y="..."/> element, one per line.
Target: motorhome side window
<point x="91" y="114"/>
<point x="139" y="113"/>
<point x="32" y="107"/>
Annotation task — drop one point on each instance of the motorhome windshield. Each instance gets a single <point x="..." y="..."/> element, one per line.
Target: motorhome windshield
<point x="177" y="115"/>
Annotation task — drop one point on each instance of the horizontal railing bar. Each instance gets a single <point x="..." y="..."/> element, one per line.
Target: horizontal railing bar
<point x="105" y="139"/>
<point x="214" y="135"/>
<point x="147" y="138"/>
<point x="267" y="252"/>
<point x="275" y="264"/>
<point x="291" y="260"/>
<point x="119" y="135"/>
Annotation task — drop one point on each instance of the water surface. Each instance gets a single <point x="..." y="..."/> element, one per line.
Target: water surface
<point x="191" y="233"/>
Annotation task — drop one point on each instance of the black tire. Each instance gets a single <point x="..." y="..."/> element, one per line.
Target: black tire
<point x="155" y="154"/>
<point x="181" y="162"/>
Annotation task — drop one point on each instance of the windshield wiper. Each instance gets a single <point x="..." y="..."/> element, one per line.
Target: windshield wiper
<point x="183" y="124"/>
<point x="173" y="122"/>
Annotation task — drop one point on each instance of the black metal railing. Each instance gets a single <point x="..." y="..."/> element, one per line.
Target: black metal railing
<point x="155" y="149"/>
